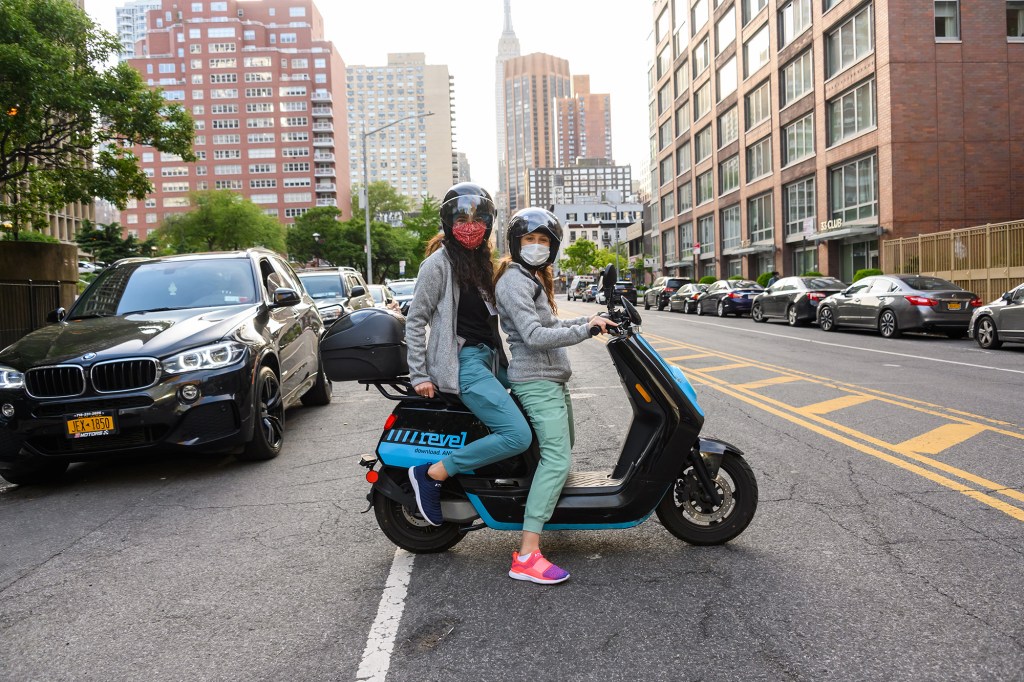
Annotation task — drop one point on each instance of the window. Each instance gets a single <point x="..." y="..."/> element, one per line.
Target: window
<point x="294" y="212"/>
<point x="797" y="78"/>
<point x="728" y="127"/>
<point x="262" y="153"/>
<point x="259" y="123"/>
<point x="798" y="139"/>
<point x="259" y="92"/>
<point x="665" y="134"/>
<point x="259" y="107"/>
<point x="849" y="42"/>
<point x="702" y="101"/>
<point x="166" y="68"/>
<point x="256" y="61"/>
<point x="668" y="245"/>
<point x="755" y="52"/>
<point x="685" y="197"/>
<point x="759" y="158"/>
<point x="258" y="77"/>
<point x="298" y="197"/>
<point x="758" y="105"/>
<point x="255" y="168"/>
<point x="288" y="38"/>
<point x="227" y="170"/>
<point x="249" y="34"/>
<point x="1015" y="19"/>
<point x="686" y="236"/>
<point x="294" y="106"/>
<point x="854" y="190"/>
<point x="295" y="167"/>
<point x="226" y="123"/>
<point x="701" y="58"/>
<point x="218" y="7"/>
<point x="699" y="15"/>
<point x="760" y="218"/>
<point x="223" y="63"/>
<point x="293" y="121"/>
<point x="705" y="187"/>
<point x="173" y="171"/>
<point x="664" y="98"/>
<point x="794" y="17"/>
<point x="851" y="112"/>
<point x="174" y="187"/>
<point x="225" y="32"/>
<point x="668" y="206"/>
<point x="296" y="11"/>
<point x="221" y="93"/>
<point x="293" y="152"/>
<point x="725" y="30"/>
<point x="702" y="144"/>
<point x="751" y="9"/>
<point x="665" y="169"/>
<point x="664" y="60"/>
<point x="730" y="218"/>
<point x="798" y="205"/>
<point x="223" y="108"/>
<point x="947" y="19"/>
<point x="683" y="117"/>
<point x="297" y="182"/>
<point x="263" y="198"/>
<point x="262" y="184"/>
<point x="683" y="159"/>
<point x="293" y="91"/>
<point x="706" y="232"/>
<point x="221" y="154"/>
<point x="726" y="77"/>
<point x="729" y="174"/>
<point x="681" y="79"/>
<point x="222" y="47"/>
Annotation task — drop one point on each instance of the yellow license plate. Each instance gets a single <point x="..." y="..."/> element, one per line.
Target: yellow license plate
<point x="91" y="424"/>
<point x="954" y="306"/>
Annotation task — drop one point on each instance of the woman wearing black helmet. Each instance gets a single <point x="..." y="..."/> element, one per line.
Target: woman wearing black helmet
<point x="539" y="370"/>
<point x="454" y="297"/>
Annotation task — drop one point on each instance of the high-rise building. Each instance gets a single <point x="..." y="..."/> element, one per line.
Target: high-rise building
<point x="584" y="124"/>
<point x="508" y="47"/>
<point x="532" y="84"/>
<point x="131" y="24"/>
<point x="462" y="163"/>
<point x="415" y="154"/>
<point x="261" y="83"/>
<point x="570" y="184"/>
<point x="796" y="135"/>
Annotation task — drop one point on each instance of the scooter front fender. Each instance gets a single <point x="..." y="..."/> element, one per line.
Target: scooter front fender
<point x="712" y="450"/>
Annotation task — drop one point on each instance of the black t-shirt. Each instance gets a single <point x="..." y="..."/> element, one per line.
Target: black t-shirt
<point x="473" y="323"/>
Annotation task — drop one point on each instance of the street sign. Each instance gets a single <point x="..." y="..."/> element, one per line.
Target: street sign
<point x="808" y="226"/>
<point x="401" y="267"/>
<point x="696" y="249"/>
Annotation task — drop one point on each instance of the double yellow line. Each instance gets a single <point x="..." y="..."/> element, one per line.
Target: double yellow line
<point x="910" y="455"/>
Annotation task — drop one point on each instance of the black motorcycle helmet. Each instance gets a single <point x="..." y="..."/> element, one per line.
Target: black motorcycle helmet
<point x="529" y="220"/>
<point x="470" y="200"/>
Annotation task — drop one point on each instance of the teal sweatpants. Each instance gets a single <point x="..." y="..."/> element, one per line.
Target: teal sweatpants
<point x="549" y="408"/>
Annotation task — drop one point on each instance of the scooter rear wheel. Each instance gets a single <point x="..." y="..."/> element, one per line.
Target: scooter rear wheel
<point x="692" y="520"/>
<point x="410" y="531"/>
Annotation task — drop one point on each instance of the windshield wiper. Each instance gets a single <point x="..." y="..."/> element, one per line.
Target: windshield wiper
<point x="89" y="316"/>
<point x="156" y="310"/>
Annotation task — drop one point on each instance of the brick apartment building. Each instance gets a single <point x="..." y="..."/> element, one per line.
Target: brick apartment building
<point x="267" y="93"/>
<point x="796" y="135"/>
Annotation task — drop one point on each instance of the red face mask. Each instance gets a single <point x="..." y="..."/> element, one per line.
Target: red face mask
<point x="470" y="235"/>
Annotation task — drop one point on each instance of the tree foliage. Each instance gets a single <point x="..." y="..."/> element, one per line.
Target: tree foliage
<point x="383" y="199"/>
<point x="425" y="223"/>
<point x="105" y="243"/>
<point x="581" y="256"/>
<point x="220" y="220"/>
<point x="67" y="121"/>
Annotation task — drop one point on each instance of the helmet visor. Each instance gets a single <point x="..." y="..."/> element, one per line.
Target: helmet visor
<point x="468" y="209"/>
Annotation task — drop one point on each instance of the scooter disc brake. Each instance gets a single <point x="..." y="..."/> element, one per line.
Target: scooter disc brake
<point x="412" y="516"/>
<point x="689" y="497"/>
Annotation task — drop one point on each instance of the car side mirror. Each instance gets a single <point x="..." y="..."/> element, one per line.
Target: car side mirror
<point x="1007" y="296"/>
<point x="358" y="291"/>
<point x="57" y="315"/>
<point x="608" y="280"/>
<point x="285" y="297"/>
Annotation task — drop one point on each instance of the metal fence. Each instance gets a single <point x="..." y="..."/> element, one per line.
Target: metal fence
<point x="24" y="306"/>
<point x="987" y="260"/>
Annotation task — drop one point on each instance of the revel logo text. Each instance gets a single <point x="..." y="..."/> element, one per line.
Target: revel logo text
<point x="441" y="440"/>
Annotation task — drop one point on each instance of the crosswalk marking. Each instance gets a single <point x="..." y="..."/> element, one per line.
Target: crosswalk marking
<point x="826" y="406"/>
<point x="941" y="438"/>
<point x="773" y="381"/>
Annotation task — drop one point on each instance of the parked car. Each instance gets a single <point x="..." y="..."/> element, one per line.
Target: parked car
<point x="336" y="291"/>
<point x="794" y="298"/>
<point x="894" y="304"/>
<point x="623" y="289"/>
<point x="579" y="286"/>
<point x="661" y="290"/>
<point x="590" y="294"/>
<point x="1001" y="321"/>
<point x="728" y="297"/>
<point x="383" y="297"/>
<point x="85" y="267"/>
<point x="403" y="289"/>
<point x="191" y="351"/>
<point x="685" y="298"/>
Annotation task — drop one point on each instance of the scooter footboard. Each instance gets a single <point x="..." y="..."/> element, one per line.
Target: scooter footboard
<point x="712" y="450"/>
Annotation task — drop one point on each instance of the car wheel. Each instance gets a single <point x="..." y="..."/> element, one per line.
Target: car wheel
<point x="791" y="317"/>
<point x="34" y="473"/>
<point x="826" y="319"/>
<point x="987" y="335"/>
<point x="888" y="327"/>
<point x="661" y="304"/>
<point x="319" y="393"/>
<point x="647" y="303"/>
<point x="268" y="432"/>
<point x="721" y="309"/>
<point x="756" y="314"/>
<point x="700" y="308"/>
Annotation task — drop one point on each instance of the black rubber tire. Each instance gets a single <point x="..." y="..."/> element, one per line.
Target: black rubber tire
<point x="791" y="317"/>
<point x="661" y="306"/>
<point x="319" y="394"/>
<point x="647" y="303"/>
<point x="827" y="320"/>
<point x="756" y="314"/>
<point x="700" y="309"/>
<point x="987" y="335"/>
<point x="744" y="504"/>
<point x="888" y="326"/>
<point x="408" y="530"/>
<point x="721" y="309"/>
<point x="688" y="308"/>
<point x="268" y="431"/>
<point x="34" y="473"/>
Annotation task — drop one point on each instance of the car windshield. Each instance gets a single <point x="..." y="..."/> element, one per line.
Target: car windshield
<point x="168" y="285"/>
<point x="823" y="283"/>
<point x="378" y="294"/>
<point x="323" y="286"/>
<point x="928" y="283"/>
<point x="401" y="288"/>
<point x="674" y="283"/>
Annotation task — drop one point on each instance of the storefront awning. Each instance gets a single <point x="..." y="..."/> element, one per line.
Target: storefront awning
<point x="756" y="247"/>
<point x="847" y="230"/>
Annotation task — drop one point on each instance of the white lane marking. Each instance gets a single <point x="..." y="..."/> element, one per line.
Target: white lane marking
<point x="866" y="350"/>
<point x="381" y="640"/>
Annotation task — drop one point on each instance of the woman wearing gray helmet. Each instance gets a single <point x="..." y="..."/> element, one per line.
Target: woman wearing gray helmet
<point x="462" y="355"/>
<point x="539" y="369"/>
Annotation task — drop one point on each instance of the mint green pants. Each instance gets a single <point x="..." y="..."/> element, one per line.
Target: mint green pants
<point x="549" y="409"/>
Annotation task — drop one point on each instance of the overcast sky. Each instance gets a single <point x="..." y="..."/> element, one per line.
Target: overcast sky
<point x="608" y="41"/>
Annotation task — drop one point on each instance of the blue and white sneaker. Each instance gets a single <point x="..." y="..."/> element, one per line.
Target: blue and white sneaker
<point x="428" y="494"/>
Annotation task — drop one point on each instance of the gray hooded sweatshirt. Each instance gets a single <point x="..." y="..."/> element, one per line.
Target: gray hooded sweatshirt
<point x="536" y="337"/>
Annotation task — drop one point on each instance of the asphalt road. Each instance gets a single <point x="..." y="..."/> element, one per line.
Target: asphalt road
<point x="888" y="542"/>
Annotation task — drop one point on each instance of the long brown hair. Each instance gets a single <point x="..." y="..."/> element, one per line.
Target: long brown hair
<point x="546" y="276"/>
<point x="471" y="268"/>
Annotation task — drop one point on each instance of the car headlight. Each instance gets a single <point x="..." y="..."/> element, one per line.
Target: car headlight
<point x="207" y="357"/>
<point x="11" y="378"/>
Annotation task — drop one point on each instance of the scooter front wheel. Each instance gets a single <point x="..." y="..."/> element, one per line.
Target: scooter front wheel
<point x="410" y="531"/>
<point x="685" y="513"/>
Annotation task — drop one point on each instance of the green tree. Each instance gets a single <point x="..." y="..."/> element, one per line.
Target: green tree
<point x="220" y="220"/>
<point x="605" y="257"/>
<point x="105" y="243"/>
<point x="68" y="121"/>
<point x="425" y="224"/>
<point x="334" y="244"/>
<point x="383" y="199"/>
<point x="581" y="256"/>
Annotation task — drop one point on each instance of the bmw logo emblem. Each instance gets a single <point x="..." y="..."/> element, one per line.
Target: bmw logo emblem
<point x="88" y="356"/>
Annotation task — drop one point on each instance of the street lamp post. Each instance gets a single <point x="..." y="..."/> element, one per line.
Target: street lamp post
<point x="366" y="186"/>
<point x="317" y="241"/>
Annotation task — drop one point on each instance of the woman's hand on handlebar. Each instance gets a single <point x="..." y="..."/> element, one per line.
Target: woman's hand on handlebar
<point x="601" y="324"/>
<point x="426" y="389"/>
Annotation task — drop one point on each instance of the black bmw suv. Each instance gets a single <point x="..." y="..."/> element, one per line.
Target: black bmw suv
<point x="202" y="350"/>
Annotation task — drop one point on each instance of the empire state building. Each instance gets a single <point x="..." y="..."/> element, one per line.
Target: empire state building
<point x="508" y="48"/>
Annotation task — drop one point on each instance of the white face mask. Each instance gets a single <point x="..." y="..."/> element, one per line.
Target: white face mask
<point x="535" y="254"/>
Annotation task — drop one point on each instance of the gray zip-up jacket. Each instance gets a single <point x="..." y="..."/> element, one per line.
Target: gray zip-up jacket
<point x="536" y="337"/>
<point x="435" y="303"/>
